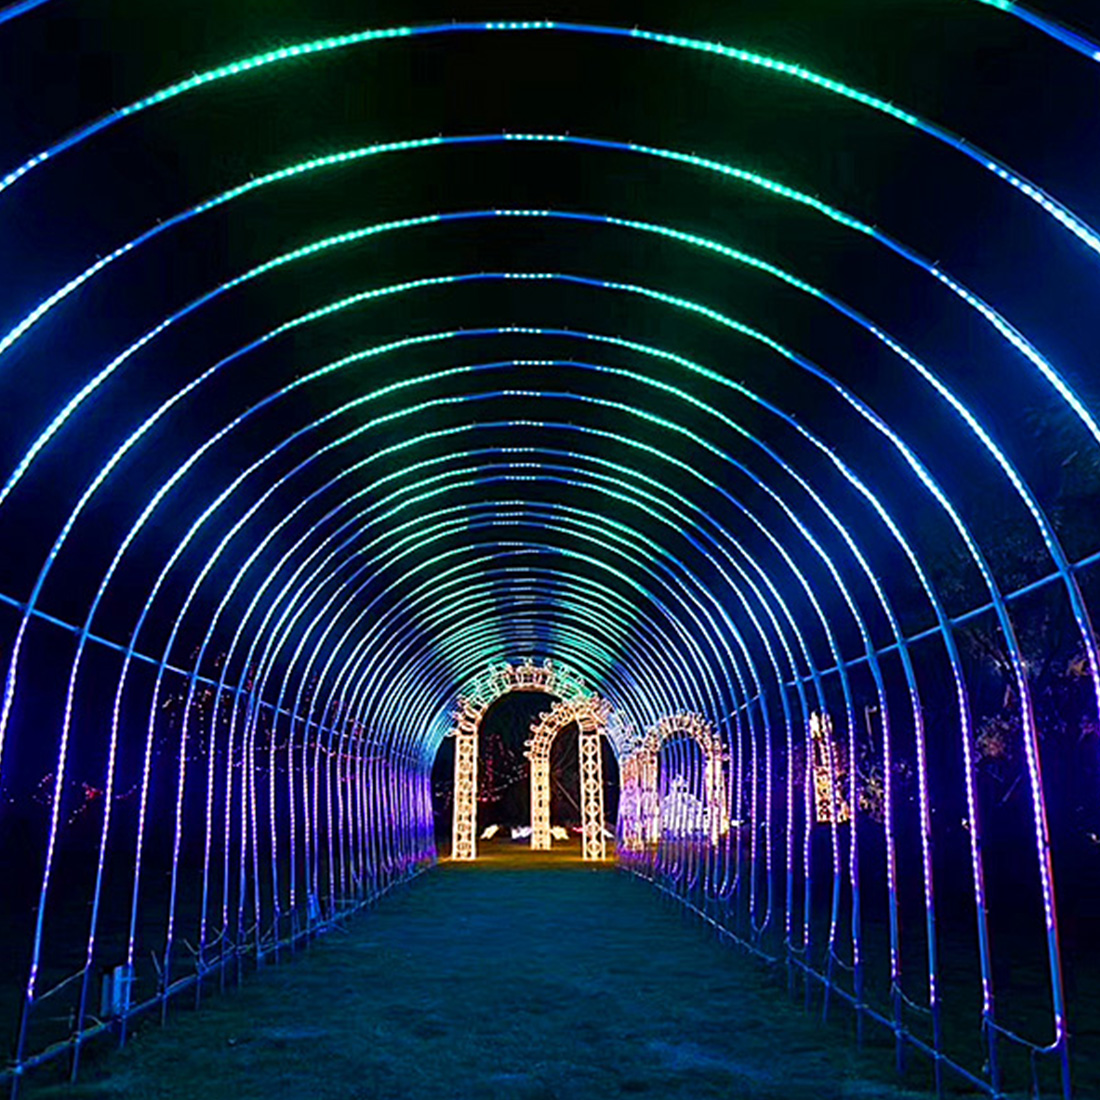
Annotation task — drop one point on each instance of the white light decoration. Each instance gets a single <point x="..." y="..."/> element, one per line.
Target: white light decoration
<point x="595" y="847"/>
<point x="591" y="715"/>
<point x="829" y="801"/>
<point x="640" y="780"/>
<point x="575" y="704"/>
<point x="464" y="842"/>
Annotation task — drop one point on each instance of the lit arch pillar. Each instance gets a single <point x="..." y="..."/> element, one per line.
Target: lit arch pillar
<point x="540" y="802"/>
<point x="592" y="810"/>
<point x="464" y="828"/>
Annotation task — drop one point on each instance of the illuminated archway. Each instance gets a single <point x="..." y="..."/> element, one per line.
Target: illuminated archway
<point x="642" y="816"/>
<point x="565" y="685"/>
<point x="716" y="428"/>
<point x="591" y="717"/>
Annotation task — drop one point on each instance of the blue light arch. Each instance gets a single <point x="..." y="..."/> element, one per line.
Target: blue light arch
<point x="277" y="504"/>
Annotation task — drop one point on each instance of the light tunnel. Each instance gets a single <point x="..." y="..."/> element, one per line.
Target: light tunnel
<point x="731" y="375"/>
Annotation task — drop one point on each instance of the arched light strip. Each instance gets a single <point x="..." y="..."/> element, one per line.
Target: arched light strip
<point x="1048" y="26"/>
<point x="619" y="487"/>
<point x="615" y="537"/>
<point x="310" y="581"/>
<point x="1046" y="529"/>
<point x="248" y="662"/>
<point x="21" y="7"/>
<point x="574" y="628"/>
<point x="390" y="648"/>
<point x="362" y="648"/>
<point x="324" y="615"/>
<point x="990" y="315"/>
<point x="475" y="644"/>
<point x="466" y="602"/>
<point x="1049" y="205"/>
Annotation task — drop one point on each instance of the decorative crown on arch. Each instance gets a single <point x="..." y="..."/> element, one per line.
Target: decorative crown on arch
<point x="685" y="725"/>
<point x="591" y="714"/>
<point x="560" y="681"/>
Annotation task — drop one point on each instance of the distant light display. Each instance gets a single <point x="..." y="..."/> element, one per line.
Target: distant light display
<point x="830" y="801"/>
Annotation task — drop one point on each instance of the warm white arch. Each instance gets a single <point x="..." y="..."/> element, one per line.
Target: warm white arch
<point x="641" y="814"/>
<point x="591" y="715"/>
<point x="563" y="683"/>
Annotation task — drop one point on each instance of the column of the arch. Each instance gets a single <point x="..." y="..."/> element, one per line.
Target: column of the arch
<point x="714" y="791"/>
<point x="630" y="824"/>
<point x="650" y="798"/>
<point x="464" y="829"/>
<point x="540" y="800"/>
<point x="592" y="814"/>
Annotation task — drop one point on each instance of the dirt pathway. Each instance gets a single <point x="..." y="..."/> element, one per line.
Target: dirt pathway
<point x="487" y="982"/>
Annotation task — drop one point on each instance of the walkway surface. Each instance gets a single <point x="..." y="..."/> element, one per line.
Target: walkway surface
<point x="506" y="979"/>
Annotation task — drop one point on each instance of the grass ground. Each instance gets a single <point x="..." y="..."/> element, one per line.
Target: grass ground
<point x="519" y="977"/>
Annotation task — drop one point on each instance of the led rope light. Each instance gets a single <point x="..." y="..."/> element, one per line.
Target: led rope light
<point x="690" y="855"/>
<point x="1003" y="328"/>
<point x="249" y="660"/>
<point x="795" y="627"/>
<point x="21" y="7"/>
<point x="1050" y="206"/>
<point x="246" y="662"/>
<point x="1049" y="27"/>
<point x="94" y="486"/>
<point x="1052" y="543"/>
